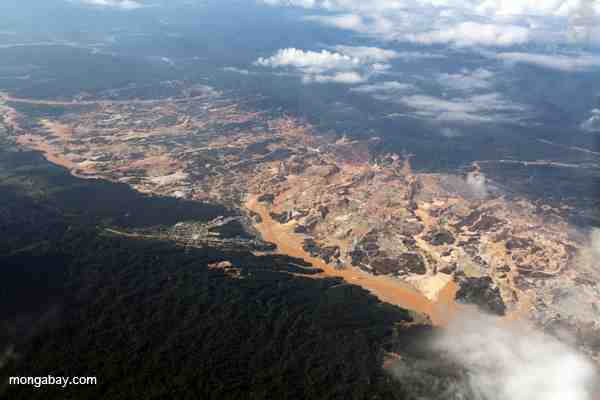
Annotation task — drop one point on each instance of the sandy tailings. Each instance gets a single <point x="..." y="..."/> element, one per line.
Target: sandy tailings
<point x="439" y="307"/>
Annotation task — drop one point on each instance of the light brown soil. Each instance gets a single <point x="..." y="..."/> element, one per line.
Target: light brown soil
<point x="49" y="151"/>
<point x="386" y="288"/>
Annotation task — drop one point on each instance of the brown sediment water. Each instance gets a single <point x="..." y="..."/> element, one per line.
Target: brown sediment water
<point x="49" y="152"/>
<point x="53" y="154"/>
<point x="386" y="288"/>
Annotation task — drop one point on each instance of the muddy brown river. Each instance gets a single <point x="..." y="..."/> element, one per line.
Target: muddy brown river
<point x="387" y="289"/>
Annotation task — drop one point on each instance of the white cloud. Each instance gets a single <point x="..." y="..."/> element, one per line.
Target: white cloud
<point x="241" y="71"/>
<point x="39" y="44"/>
<point x="592" y="125"/>
<point x="561" y="62"/>
<point x="469" y="100"/>
<point x="583" y="21"/>
<point x="506" y="361"/>
<point x="474" y="34"/>
<point x="467" y="80"/>
<point x="555" y="8"/>
<point x="588" y="262"/>
<point x="495" y="8"/>
<point x="451" y="133"/>
<point x="595" y="240"/>
<point x="350" y="22"/>
<point x="385" y="55"/>
<point x="168" y="61"/>
<point x="338" y="77"/>
<point x="477" y="183"/>
<point x="120" y="4"/>
<point x="490" y="107"/>
<point x="419" y="55"/>
<point x="347" y="65"/>
<point x="365" y="53"/>
<point x="386" y="91"/>
<point x="385" y="87"/>
<point x="295" y="3"/>
<point x="311" y="61"/>
<point x="461" y="22"/>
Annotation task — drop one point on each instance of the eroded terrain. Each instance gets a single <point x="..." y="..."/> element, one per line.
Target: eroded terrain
<point x="421" y="241"/>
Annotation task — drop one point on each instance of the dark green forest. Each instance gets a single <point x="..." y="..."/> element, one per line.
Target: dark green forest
<point x="151" y="320"/>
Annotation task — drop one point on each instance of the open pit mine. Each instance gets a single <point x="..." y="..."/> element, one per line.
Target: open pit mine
<point x="431" y="243"/>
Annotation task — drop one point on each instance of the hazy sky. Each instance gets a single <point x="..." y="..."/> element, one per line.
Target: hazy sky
<point x="446" y="62"/>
